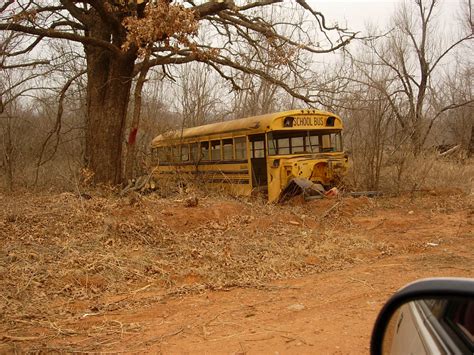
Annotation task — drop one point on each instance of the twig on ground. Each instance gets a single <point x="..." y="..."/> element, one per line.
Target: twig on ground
<point x="329" y="210"/>
<point x="362" y="282"/>
<point x="18" y="338"/>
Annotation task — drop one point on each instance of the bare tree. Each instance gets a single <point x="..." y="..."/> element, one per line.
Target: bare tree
<point x="16" y="82"/>
<point x="413" y="53"/>
<point x="467" y="20"/>
<point x="115" y="33"/>
<point x="197" y="94"/>
<point x="455" y="125"/>
<point x="368" y="116"/>
<point x="254" y="95"/>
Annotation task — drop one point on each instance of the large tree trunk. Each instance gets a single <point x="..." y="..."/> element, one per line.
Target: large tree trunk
<point x="108" y="93"/>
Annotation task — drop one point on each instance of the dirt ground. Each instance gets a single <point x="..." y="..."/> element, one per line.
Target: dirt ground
<point x="232" y="276"/>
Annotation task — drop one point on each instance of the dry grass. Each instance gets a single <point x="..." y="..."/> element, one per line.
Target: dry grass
<point x="66" y="258"/>
<point x="62" y="249"/>
<point x="403" y="172"/>
<point x="428" y="171"/>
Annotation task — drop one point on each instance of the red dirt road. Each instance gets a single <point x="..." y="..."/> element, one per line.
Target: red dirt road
<point x="329" y="313"/>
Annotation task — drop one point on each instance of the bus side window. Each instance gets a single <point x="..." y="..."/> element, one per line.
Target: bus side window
<point x="175" y="153"/>
<point x="184" y="152"/>
<point x="205" y="150"/>
<point x="154" y="155"/>
<point x="162" y="154"/>
<point x="194" y="151"/>
<point x="227" y="149"/>
<point x="216" y="150"/>
<point x="240" y="148"/>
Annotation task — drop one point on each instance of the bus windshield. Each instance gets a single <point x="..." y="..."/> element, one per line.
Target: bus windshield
<point x="304" y="142"/>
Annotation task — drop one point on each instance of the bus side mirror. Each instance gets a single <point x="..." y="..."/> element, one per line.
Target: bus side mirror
<point x="430" y="316"/>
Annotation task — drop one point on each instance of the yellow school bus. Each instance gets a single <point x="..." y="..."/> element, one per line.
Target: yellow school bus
<point x="275" y="153"/>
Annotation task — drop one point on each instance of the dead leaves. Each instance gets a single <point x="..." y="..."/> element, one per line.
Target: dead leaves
<point x="172" y="25"/>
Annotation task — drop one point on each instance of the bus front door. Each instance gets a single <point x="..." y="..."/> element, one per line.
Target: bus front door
<point x="258" y="161"/>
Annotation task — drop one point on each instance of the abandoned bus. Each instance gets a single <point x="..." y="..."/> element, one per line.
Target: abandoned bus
<point x="274" y="153"/>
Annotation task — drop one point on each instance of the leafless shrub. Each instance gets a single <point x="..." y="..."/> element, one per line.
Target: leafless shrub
<point x="407" y="172"/>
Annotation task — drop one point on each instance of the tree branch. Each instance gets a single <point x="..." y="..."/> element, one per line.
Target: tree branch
<point x="77" y="13"/>
<point x="228" y="63"/>
<point x="107" y="17"/>
<point x="447" y="50"/>
<point x="213" y="7"/>
<point x="26" y="50"/>
<point x="24" y="65"/>
<point x="60" y="35"/>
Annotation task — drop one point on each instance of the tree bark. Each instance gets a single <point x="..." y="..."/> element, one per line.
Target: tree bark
<point x="109" y="80"/>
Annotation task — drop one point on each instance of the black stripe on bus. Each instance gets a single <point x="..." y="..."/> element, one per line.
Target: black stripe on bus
<point x="205" y="162"/>
<point x="215" y="172"/>
<point x="223" y="172"/>
<point x="228" y="181"/>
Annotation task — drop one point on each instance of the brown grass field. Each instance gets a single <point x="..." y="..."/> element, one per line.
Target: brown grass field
<point x="148" y="274"/>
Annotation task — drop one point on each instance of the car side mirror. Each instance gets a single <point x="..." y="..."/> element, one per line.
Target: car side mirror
<point x="431" y="316"/>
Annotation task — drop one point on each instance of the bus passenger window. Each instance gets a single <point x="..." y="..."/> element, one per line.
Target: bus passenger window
<point x="165" y="154"/>
<point x="184" y="152"/>
<point x="240" y="148"/>
<point x="205" y="150"/>
<point x="258" y="149"/>
<point x="175" y="153"/>
<point x="194" y="151"/>
<point x="216" y="150"/>
<point x="154" y="155"/>
<point x="160" y="154"/>
<point x="227" y="149"/>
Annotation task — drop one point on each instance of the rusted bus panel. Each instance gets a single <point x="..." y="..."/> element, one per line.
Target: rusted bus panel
<point x="234" y="177"/>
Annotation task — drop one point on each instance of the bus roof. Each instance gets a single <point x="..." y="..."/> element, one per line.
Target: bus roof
<point x="254" y="124"/>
